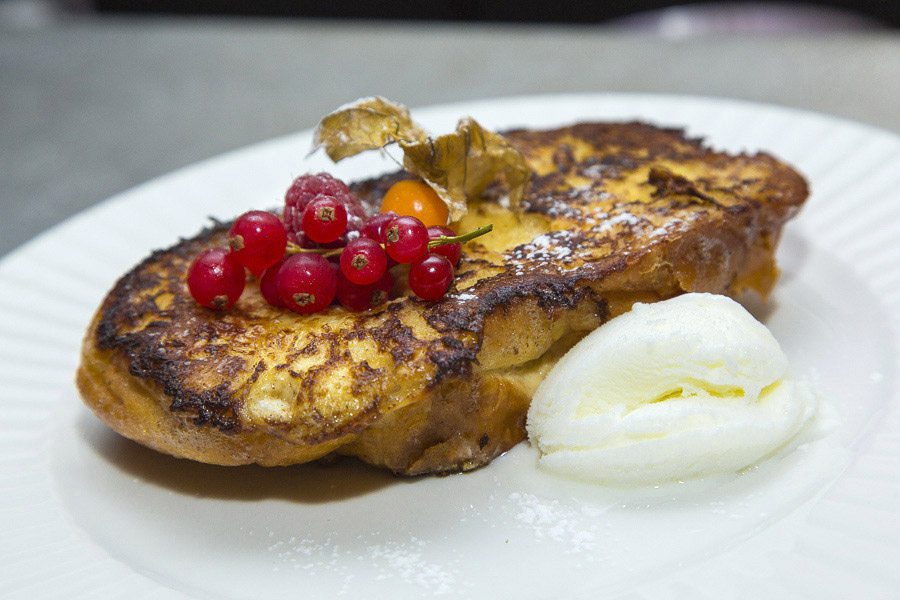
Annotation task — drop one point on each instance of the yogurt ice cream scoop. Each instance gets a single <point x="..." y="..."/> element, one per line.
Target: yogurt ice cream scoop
<point x="672" y="390"/>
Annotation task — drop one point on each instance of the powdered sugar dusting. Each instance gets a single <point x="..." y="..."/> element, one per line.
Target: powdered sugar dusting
<point x="404" y="561"/>
<point x="578" y="203"/>
<point x="597" y="171"/>
<point x="600" y="231"/>
<point x="462" y="297"/>
<point x="553" y="247"/>
<point x="389" y="560"/>
<point x="622" y="219"/>
<point x="549" y="243"/>
<point x="552" y="520"/>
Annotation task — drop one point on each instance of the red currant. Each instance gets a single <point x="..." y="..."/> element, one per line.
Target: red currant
<point x="302" y="240"/>
<point x="324" y="219"/>
<point x="304" y="190"/>
<point x="430" y="278"/>
<point x="405" y="239"/>
<point x="268" y="286"/>
<point x="363" y="261"/>
<point x="363" y="297"/>
<point x="215" y="279"/>
<point x="453" y="252"/>
<point x="257" y="240"/>
<point x="374" y="226"/>
<point x="306" y="283"/>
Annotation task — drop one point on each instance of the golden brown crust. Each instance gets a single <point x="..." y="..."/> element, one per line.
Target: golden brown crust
<point x="616" y="213"/>
<point x="134" y="407"/>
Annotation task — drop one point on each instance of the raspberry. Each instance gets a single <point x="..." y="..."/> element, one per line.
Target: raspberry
<point x="305" y="189"/>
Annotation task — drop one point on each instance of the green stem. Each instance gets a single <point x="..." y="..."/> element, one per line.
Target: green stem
<point x="460" y="239"/>
<point x="293" y="248"/>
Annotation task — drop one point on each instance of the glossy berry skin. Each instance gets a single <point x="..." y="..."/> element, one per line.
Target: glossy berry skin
<point x="374" y="228"/>
<point x="416" y="199"/>
<point x="405" y="239"/>
<point x="306" y="283"/>
<point x="215" y="279"/>
<point x="304" y="190"/>
<point x="324" y="219"/>
<point x="268" y="286"/>
<point x="375" y="225"/>
<point x="430" y="278"/>
<point x="363" y="261"/>
<point x="453" y="252"/>
<point x="303" y="241"/>
<point x="363" y="297"/>
<point x="257" y="240"/>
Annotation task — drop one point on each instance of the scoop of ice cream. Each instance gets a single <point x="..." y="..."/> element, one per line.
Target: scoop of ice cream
<point x="672" y="390"/>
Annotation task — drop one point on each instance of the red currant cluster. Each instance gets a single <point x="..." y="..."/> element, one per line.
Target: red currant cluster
<point x="325" y="249"/>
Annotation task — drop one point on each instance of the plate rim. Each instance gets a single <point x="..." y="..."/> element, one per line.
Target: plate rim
<point x="21" y="252"/>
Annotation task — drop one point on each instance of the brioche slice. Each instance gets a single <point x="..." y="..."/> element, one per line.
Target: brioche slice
<point x="614" y="214"/>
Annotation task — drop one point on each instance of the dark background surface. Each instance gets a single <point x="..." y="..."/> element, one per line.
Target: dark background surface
<point x="517" y="11"/>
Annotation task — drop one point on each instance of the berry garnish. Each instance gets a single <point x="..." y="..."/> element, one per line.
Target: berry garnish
<point x="268" y="285"/>
<point x="453" y="250"/>
<point x="305" y="189"/>
<point x="257" y="240"/>
<point x="324" y="219"/>
<point x="405" y="239"/>
<point x="363" y="261"/>
<point x="215" y="279"/>
<point x="306" y="283"/>
<point x="416" y="199"/>
<point x="332" y="252"/>
<point x="374" y="226"/>
<point x="363" y="297"/>
<point x="430" y="278"/>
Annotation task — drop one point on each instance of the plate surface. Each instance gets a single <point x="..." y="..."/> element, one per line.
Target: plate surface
<point x="89" y="515"/>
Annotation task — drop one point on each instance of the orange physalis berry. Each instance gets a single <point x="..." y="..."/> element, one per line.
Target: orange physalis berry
<point x="416" y="199"/>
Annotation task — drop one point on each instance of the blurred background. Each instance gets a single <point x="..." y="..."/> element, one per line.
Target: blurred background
<point x="670" y="17"/>
<point x="97" y="96"/>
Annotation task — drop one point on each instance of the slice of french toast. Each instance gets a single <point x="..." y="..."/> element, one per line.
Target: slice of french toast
<point x="614" y="214"/>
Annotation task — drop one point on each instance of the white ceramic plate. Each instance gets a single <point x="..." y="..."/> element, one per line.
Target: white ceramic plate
<point x="85" y="514"/>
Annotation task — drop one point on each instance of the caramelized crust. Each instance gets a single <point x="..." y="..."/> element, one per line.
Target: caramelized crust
<point x="615" y="213"/>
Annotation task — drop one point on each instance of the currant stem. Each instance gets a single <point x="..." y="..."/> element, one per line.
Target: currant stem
<point x="293" y="248"/>
<point x="460" y="239"/>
